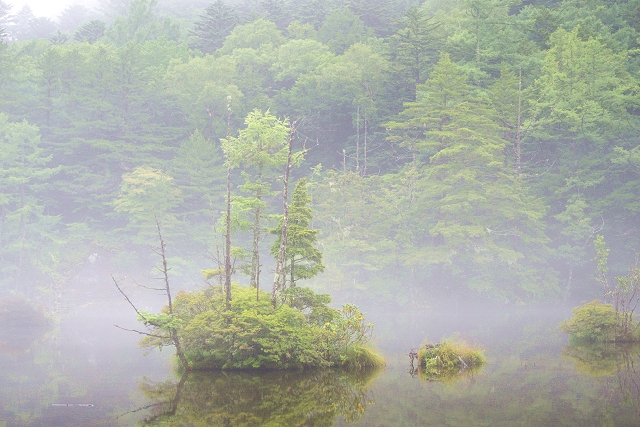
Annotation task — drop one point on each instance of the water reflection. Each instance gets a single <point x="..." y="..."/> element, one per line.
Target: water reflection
<point x="615" y="362"/>
<point x="248" y="399"/>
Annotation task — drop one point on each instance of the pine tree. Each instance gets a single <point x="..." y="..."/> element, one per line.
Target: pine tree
<point x="302" y="259"/>
<point x="214" y="26"/>
<point x="475" y="217"/>
<point x="91" y="32"/>
<point x="413" y="45"/>
<point x="277" y="12"/>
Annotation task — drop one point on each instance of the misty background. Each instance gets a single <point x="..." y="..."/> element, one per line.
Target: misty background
<point x="454" y="151"/>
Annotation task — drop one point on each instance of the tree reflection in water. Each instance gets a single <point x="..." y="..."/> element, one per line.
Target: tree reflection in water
<point x="248" y="399"/>
<point x="616" y="363"/>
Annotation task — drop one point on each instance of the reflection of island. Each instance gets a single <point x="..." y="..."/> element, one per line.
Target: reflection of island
<point x="269" y="399"/>
<point x="21" y="324"/>
<point x="614" y="361"/>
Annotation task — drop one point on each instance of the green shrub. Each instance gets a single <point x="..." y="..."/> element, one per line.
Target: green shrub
<point x="448" y="360"/>
<point x="362" y="358"/>
<point x="592" y="322"/>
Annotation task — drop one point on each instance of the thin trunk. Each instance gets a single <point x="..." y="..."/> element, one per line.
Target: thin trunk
<point x="227" y="242"/>
<point x="519" y="128"/>
<point x="568" y="288"/>
<point x="344" y="161"/>
<point x="278" y="280"/>
<point x="364" y="169"/>
<point x="2" y="217"/>
<point x="22" y="228"/>
<point x="165" y="274"/>
<point x="255" y="258"/>
<point x="358" y="142"/>
<point x="227" y="233"/>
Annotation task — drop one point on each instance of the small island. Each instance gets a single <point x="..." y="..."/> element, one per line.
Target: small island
<point x="448" y="360"/>
<point x="228" y="326"/>
<point x="612" y="319"/>
<point x="302" y="332"/>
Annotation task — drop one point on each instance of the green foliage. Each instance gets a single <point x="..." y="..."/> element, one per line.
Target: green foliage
<point x="593" y="321"/>
<point x="341" y="29"/>
<point x="449" y="360"/>
<point x="512" y="131"/>
<point x="90" y="32"/>
<point x="214" y="26"/>
<point x="302" y="260"/>
<point x="147" y="194"/>
<point x="254" y="335"/>
<point x="259" y="34"/>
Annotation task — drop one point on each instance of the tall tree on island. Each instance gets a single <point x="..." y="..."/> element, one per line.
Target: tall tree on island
<point x="302" y="260"/>
<point x="262" y="148"/>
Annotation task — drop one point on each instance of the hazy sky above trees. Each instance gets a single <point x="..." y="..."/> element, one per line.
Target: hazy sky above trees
<point x="48" y="8"/>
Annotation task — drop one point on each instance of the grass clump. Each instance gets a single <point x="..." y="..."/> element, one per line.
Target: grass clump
<point x="362" y="358"/>
<point x="598" y="322"/>
<point x="448" y="360"/>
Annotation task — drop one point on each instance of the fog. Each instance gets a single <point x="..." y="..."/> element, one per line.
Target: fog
<point x="48" y="8"/>
<point x="461" y="172"/>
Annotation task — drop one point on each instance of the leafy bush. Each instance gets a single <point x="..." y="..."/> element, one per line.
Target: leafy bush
<point x="592" y="322"/>
<point x="302" y="332"/>
<point x="449" y="359"/>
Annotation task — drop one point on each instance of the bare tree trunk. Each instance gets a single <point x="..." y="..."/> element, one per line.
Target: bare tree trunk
<point x="568" y="288"/>
<point x="519" y="128"/>
<point x="165" y="274"/>
<point x="227" y="233"/>
<point x="22" y="235"/>
<point x="358" y="142"/>
<point x="278" y="280"/>
<point x="364" y="169"/>
<point x="254" y="281"/>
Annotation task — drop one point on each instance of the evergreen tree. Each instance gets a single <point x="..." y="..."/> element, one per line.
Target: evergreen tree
<point x="302" y="259"/>
<point x="277" y="12"/>
<point x="414" y="45"/>
<point x="214" y="26"/>
<point x="25" y="229"/>
<point x="147" y="194"/>
<point x="72" y="17"/>
<point x="475" y="215"/>
<point x="262" y="148"/>
<point x="91" y="32"/>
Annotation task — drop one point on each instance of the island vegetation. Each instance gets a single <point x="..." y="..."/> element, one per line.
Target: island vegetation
<point x="226" y="326"/>
<point x="302" y="332"/>
<point x="449" y="360"/>
<point x="612" y="319"/>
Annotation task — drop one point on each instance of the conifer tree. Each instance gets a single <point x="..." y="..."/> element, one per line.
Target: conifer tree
<point x="302" y="259"/>
<point x="475" y="215"/>
<point x="214" y="26"/>
<point x="91" y="32"/>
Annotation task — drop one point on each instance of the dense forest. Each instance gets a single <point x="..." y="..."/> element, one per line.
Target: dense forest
<point x="451" y="149"/>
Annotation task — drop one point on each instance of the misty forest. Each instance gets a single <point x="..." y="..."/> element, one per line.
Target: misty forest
<point x="237" y="175"/>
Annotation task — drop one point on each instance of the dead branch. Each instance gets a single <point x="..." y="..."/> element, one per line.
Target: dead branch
<point x="140" y="332"/>
<point x="128" y="300"/>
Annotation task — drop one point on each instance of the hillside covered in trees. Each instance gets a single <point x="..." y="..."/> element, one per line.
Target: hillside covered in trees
<point x="450" y="148"/>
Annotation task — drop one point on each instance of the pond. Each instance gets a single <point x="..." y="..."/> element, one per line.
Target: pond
<point x="86" y="372"/>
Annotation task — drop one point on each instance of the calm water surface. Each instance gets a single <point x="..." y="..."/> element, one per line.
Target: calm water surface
<point x="532" y="378"/>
